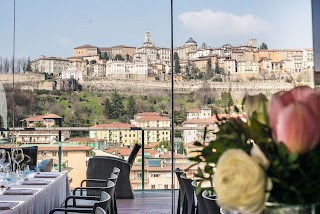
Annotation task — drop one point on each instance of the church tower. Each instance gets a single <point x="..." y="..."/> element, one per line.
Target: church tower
<point x="148" y="40"/>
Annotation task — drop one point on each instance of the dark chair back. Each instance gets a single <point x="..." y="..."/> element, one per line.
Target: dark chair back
<point x="211" y="203"/>
<point x="191" y="206"/>
<point x="133" y="154"/>
<point x="104" y="202"/>
<point x="116" y="170"/>
<point x="99" y="210"/>
<point x="182" y="192"/>
<point x="201" y="206"/>
<point x="32" y="155"/>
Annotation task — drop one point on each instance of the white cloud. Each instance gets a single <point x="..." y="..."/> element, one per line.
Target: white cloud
<point x="218" y="23"/>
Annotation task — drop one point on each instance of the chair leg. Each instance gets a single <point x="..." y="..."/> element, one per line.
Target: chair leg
<point x="178" y="207"/>
<point x="185" y="205"/>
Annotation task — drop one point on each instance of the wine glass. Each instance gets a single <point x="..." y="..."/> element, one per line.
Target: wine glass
<point x="7" y="162"/>
<point x="2" y="157"/>
<point x="17" y="157"/>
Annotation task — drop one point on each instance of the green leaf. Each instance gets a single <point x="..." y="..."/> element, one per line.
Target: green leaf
<point x="293" y="157"/>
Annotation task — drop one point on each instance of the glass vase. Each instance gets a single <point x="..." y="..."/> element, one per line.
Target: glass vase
<point x="274" y="208"/>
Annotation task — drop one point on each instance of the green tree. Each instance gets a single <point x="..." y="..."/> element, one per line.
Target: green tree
<point x="209" y="69"/>
<point x="182" y="149"/>
<point x="164" y="144"/>
<point x="179" y="117"/>
<point x="28" y="67"/>
<point x="177" y="67"/>
<point x="107" y="108"/>
<point x="263" y="46"/>
<point x="119" y="57"/>
<point x="127" y="57"/>
<point x="117" y="106"/>
<point x="226" y="99"/>
<point x="104" y="56"/>
<point x="131" y="107"/>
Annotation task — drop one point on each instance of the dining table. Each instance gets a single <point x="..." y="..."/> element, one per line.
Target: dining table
<point x="38" y="194"/>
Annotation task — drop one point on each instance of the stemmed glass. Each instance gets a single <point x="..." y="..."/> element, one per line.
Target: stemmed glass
<point x="7" y="162"/>
<point x="2" y="157"/>
<point x="17" y="157"/>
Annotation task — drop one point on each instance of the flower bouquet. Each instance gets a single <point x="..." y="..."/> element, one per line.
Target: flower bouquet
<point x="272" y="157"/>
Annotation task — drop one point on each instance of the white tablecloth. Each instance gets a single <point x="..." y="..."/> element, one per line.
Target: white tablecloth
<point x="48" y="197"/>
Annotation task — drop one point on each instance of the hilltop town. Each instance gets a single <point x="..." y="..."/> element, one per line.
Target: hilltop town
<point x="149" y="63"/>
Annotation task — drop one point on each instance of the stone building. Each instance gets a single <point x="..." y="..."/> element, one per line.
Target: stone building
<point x="126" y="70"/>
<point x="148" y="52"/>
<point x="50" y="65"/>
<point x="86" y="50"/>
<point x="186" y="51"/>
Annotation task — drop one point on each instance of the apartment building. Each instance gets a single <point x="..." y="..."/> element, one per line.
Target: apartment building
<point x="126" y="70"/>
<point x="47" y="120"/>
<point x="50" y="65"/>
<point x="99" y="70"/>
<point x="115" y="133"/>
<point x="199" y="113"/>
<point x="78" y="62"/>
<point x="248" y="69"/>
<point x="153" y="121"/>
<point x="191" y="134"/>
<point x="164" y="54"/>
<point x="230" y="66"/>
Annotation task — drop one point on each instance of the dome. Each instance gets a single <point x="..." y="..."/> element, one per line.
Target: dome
<point x="191" y="42"/>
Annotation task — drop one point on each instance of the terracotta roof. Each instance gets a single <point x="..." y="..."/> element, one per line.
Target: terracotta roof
<point x="115" y="125"/>
<point x="153" y="144"/>
<point x="195" y="110"/>
<point x="34" y="118"/>
<point x="153" y="118"/>
<point x="41" y="117"/>
<point x="86" y="46"/>
<point x="51" y="116"/>
<point x="148" y="114"/>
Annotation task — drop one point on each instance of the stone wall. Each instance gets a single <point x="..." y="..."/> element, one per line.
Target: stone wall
<point x="157" y="88"/>
<point x="238" y="89"/>
<point x="27" y="77"/>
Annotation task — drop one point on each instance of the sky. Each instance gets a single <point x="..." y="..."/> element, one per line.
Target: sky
<point x="54" y="28"/>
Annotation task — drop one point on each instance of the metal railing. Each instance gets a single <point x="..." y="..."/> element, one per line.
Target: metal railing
<point x="70" y="129"/>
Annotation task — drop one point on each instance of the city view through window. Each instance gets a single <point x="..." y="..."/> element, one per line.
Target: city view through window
<point x="102" y="71"/>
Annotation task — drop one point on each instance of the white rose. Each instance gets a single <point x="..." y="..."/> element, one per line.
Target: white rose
<point x="240" y="183"/>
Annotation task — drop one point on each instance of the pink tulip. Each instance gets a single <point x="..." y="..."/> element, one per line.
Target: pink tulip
<point x="294" y="118"/>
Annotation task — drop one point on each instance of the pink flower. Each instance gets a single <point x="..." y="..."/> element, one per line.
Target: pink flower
<point x="294" y="118"/>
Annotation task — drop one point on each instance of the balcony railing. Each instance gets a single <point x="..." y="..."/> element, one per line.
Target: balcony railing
<point x="143" y="167"/>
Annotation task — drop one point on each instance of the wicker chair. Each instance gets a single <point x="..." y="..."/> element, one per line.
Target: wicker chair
<point x="100" y="167"/>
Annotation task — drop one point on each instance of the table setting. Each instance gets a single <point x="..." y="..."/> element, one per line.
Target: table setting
<point x="30" y="192"/>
